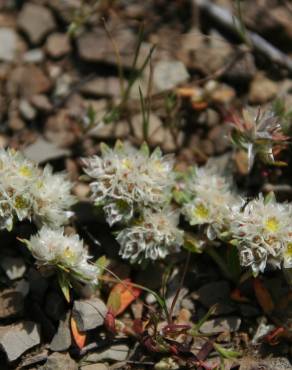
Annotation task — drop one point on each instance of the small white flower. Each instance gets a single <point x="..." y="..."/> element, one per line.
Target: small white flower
<point x="153" y="238"/>
<point x="212" y="201"/>
<point x="28" y="192"/>
<point x="127" y="179"/>
<point x="52" y="198"/>
<point x="263" y="233"/>
<point x="50" y="247"/>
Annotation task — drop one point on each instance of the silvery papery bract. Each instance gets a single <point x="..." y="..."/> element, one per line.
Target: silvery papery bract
<point x="52" y="198"/>
<point x="262" y="232"/>
<point x="153" y="238"/>
<point x="51" y="248"/>
<point x="211" y="201"/>
<point x="26" y="191"/>
<point x="127" y="179"/>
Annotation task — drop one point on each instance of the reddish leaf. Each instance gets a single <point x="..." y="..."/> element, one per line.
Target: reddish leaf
<point x="110" y="321"/>
<point x="237" y="296"/>
<point x="263" y="296"/>
<point x="138" y="326"/>
<point x="273" y="337"/>
<point x="79" y="337"/>
<point x="121" y="296"/>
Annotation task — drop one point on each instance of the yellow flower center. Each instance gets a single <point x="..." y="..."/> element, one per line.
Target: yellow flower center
<point x="288" y="251"/>
<point x="25" y="171"/>
<point x="127" y="164"/>
<point x="201" y="211"/>
<point x="20" y="202"/>
<point x="158" y="166"/>
<point x="69" y="254"/>
<point x="272" y="224"/>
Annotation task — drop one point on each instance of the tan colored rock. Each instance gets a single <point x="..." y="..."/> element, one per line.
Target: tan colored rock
<point x="58" y="45"/>
<point x="36" y="21"/>
<point x="41" y="102"/>
<point x="155" y="132"/>
<point x="17" y="339"/>
<point x="61" y="128"/>
<point x="28" y="81"/>
<point x="262" y="90"/>
<point x="100" y="87"/>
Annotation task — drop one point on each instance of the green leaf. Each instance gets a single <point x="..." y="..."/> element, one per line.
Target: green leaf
<point x="196" y="327"/>
<point x="25" y="241"/>
<point x="102" y="263"/>
<point x="192" y="243"/>
<point x="269" y="198"/>
<point x="64" y="285"/>
<point x="119" y="146"/>
<point x="226" y="353"/>
<point x="114" y="301"/>
<point x="157" y="153"/>
<point x="104" y="148"/>
<point x="144" y="149"/>
<point x="112" y="116"/>
<point x="91" y="114"/>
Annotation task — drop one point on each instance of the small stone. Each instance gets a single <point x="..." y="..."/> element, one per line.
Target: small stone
<point x="8" y="44"/>
<point x="3" y="141"/>
<point x="212" y="117"/>
<point x="59" y="361"/>
<point x="169" y="74"/>
<point x="95" y="367"/>
<point x="42" y="151"/>
<point x="223" y="94"/>
<point x="218" y="135"/>
<point x="279" y="363"/>
<point x="62" y="339"/>
<point x="17" y="339"/>
<point x="262" y="90"/>
<point x="171" y="142"/>
<point x="26" y="110"/>
<point x="58" y="45"/>
<point x="29" y="80"/>
<point x="59" y="128"/>
<point x="102" y="87"/>
<point x="208" y="55"/>
<point x="14" y="267"/>
<point x="55" y="305"/>
<point x="117" y="352"/>
<point x="36" y="21"/>
<point x="243" y="70"/>
<point x="155" y="130"/>
<point x="33" y="56"/>
<point x="96" y="47"/>
<point x="41" y="103"/>
<point x="220" y="325"/>
<point x="89" y="314"/>
<point x="11" y="303"/>
<point x="15" y="122"/>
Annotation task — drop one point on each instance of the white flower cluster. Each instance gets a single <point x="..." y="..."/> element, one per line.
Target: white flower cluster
<point x="135" y="187"/>
<point x="127" y="179"/>
<point x="210" y="201"/>
<point x="51" y="248"/>
<point x="263" y="234"/>
<point x="154" y="237"/>
<point x="26" y="191"/>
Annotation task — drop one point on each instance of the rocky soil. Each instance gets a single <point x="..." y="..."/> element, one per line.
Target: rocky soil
<point x="62" y="94"/>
